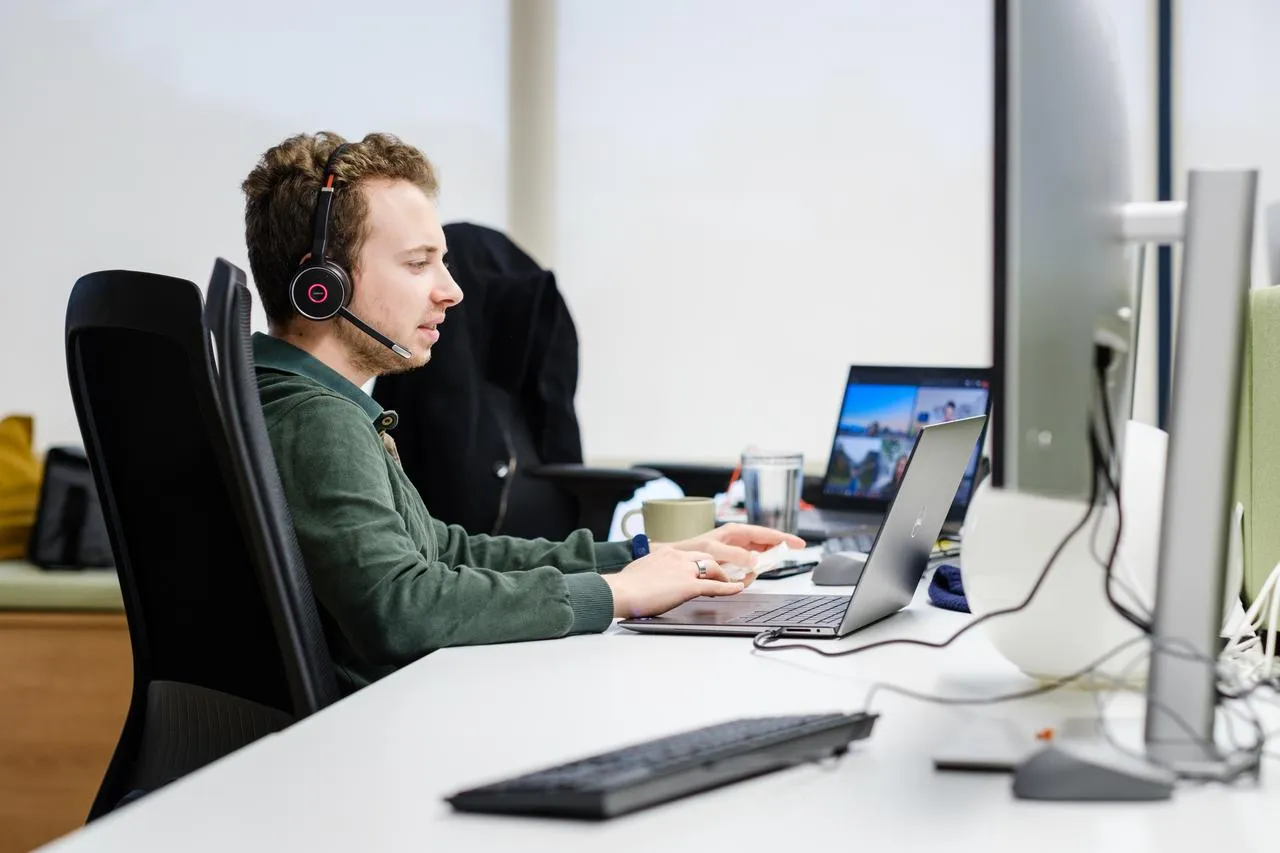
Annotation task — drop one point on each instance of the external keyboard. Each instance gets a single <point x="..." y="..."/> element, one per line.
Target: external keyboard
<point x="657" y="771"/>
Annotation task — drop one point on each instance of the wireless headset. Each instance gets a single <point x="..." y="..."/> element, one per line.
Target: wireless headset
<point x="321" y="289"/>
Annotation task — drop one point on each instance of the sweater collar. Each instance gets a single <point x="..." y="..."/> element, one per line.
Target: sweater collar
<point x="270" y="353"/>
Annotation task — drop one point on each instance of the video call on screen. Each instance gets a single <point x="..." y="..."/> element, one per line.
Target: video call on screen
<point x="878" y="427"/>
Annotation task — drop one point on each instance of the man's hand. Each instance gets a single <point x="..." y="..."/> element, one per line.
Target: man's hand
<point x="665" y="579"/>
<point x="736" y="544"/>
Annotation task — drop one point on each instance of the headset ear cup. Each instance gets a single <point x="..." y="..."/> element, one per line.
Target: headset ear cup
<point x="318" y="291"/>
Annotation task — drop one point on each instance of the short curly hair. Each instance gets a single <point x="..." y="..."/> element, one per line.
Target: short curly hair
<point x="280" y="199"/>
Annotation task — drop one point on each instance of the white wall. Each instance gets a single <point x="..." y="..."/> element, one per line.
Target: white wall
<point x="129" y="124"/>
<point x="1227" y="115"/>
<point x="748" y="201"/>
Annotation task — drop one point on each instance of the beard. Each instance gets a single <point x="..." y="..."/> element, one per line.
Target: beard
<point x="369" y="356"/>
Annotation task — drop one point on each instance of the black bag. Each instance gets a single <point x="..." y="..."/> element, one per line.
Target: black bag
<point x="69" y="531"/>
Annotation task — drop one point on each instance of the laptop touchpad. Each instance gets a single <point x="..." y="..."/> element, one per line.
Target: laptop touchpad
<point x="720" y="611"/>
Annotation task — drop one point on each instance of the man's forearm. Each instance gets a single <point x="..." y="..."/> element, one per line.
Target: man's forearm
<point x="423" y="608"/>
<point x="577" y="553"/>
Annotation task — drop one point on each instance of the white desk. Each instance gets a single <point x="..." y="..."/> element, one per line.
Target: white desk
<point x="370" y="772"/>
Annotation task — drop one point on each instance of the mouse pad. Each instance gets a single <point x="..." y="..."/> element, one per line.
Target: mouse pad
<point x="999" y="746"/>
<point x="992" y="746"/>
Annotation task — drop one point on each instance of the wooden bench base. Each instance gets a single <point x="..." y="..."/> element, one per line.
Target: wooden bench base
<point x="65" y="680"/>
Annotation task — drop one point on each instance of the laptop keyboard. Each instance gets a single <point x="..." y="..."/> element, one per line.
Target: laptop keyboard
<point x="862" y="540"/>
<point x="819" y="611"/>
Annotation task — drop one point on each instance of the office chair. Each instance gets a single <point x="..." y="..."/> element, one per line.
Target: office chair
<point x="488" y="433"/>
<point x="284" y="578"/>
<point x="208" y="673"/>
<point x="703" y="481"/>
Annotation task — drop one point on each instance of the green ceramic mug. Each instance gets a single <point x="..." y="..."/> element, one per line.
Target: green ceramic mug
<point x="674" y="519"/>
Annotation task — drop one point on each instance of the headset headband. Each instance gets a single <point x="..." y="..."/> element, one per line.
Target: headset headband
<point x="324" y="205"/>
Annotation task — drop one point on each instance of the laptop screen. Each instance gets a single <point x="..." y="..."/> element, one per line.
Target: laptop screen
<point x="881" y="414"/>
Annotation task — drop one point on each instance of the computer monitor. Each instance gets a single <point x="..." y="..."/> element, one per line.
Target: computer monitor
<point x="1062" y="297"/>
<point x="1061" y="275"/>
<point x="881" y="414"/>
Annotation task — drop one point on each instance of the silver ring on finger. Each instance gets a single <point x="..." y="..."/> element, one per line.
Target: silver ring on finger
<point x="702" y="567"/>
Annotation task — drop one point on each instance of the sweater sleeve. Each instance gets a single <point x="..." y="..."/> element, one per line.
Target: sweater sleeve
<point x="577" y="553"/>
<point x="395" y="598"/>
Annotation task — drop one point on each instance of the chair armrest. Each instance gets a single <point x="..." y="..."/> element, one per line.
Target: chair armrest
<point x="598" y="491"/>
<point x="693" y="479"/>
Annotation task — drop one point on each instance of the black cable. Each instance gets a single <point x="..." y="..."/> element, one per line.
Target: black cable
<point x="765" y="639"/>
<point x="1143" y="612"/>
<point x="1108" y="453"/>
<point x="1102" y="461"/>
<point x="1102" y="357"/>
<point x="1230" y="776"/>
<point x="1093" y="538"/>
<point x="1273" y="683"/>
<point x="1026" y="693"/>
<point x="1108" y="578"/>
<point x="1253" y="752"/>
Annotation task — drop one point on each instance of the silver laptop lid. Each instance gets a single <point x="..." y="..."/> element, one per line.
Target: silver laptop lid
<point x="900" y="555"/>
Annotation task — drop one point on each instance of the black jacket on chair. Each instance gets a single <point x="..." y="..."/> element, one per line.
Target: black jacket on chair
<point x="480" y="423"/>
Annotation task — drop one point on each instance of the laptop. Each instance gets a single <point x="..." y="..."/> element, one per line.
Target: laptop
<point x="881" y="414"/>
<point x="895" y="563"/>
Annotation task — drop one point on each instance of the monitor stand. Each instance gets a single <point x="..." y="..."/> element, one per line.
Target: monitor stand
<point x="1076" y="761"/>
<point x="1093" y="770"/>
<point x="1084" y="764"/>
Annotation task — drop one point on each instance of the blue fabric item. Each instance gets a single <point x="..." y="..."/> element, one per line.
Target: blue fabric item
<point x="946" y="590"/>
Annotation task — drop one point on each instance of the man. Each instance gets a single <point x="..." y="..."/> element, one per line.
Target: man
<point x="949" y="411"/>
<point x="394" y="583"/>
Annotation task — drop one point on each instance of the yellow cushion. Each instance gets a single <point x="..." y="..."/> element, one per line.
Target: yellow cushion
<point x="27" y="587"/>
<point x="20" y="473"/>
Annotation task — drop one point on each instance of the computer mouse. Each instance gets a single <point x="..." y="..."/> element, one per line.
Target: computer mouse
<point x="842" y="568"/>
<point x="1090" y="771"/>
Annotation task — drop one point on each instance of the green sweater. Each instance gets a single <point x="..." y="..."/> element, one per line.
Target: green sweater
<point x="392" y="582"/>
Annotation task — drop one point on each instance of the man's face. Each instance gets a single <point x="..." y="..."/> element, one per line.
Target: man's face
<point x="401" y="287"/>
